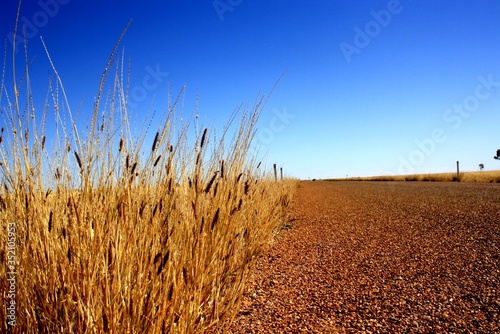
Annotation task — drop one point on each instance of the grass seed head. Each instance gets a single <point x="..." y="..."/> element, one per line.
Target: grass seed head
<point x="210" y="183"/>
<point x="157" y="160"/>
<point x="78" y="160"/>
<point x="203" y="137"/>
<point x="215" y="219"/>
<point x="155" y="141"/>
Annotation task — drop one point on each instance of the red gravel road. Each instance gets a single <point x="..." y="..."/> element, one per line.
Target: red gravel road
<point x="381" y="257"/>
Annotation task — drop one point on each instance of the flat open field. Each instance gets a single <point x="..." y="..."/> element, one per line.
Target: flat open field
<point x="381" y="257"/>
<point x="492" y="176"/>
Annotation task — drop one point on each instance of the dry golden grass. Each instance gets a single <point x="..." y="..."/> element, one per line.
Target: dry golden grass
<point x="113" y="235"/>
<point x="482" y="176"/>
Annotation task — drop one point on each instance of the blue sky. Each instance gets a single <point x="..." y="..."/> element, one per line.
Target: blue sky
<point x="371" y="87"/>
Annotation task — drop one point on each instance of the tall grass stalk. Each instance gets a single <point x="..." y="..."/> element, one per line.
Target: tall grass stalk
<point x="114" y="234"/>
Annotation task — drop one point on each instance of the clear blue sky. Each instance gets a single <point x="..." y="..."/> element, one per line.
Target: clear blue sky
<point x="371" y="87"/>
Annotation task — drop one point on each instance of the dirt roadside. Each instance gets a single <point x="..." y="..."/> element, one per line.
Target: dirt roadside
<point x="380" y="257"/>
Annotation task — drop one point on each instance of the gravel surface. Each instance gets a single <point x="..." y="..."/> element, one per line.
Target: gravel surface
<point x="381" y="257"/>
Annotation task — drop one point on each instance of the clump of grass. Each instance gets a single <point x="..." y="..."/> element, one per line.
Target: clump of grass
<point x="114" y="234"/>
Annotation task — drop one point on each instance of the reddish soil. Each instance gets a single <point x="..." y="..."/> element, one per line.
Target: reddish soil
<point x="381" y="257"/>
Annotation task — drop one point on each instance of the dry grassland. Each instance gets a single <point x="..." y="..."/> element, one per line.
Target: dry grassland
<point x="482" y="176"/>
<point x="105" y="232"/>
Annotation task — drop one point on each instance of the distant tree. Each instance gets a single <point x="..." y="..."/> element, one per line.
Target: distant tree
<point x="498" y="155"/>
<point x="481" y="166"/>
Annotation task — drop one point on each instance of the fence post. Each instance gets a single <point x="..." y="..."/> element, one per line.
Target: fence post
<point x="275" y="173"/>
<point x="281" y="173"/>
<point x="458" y="170"/>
